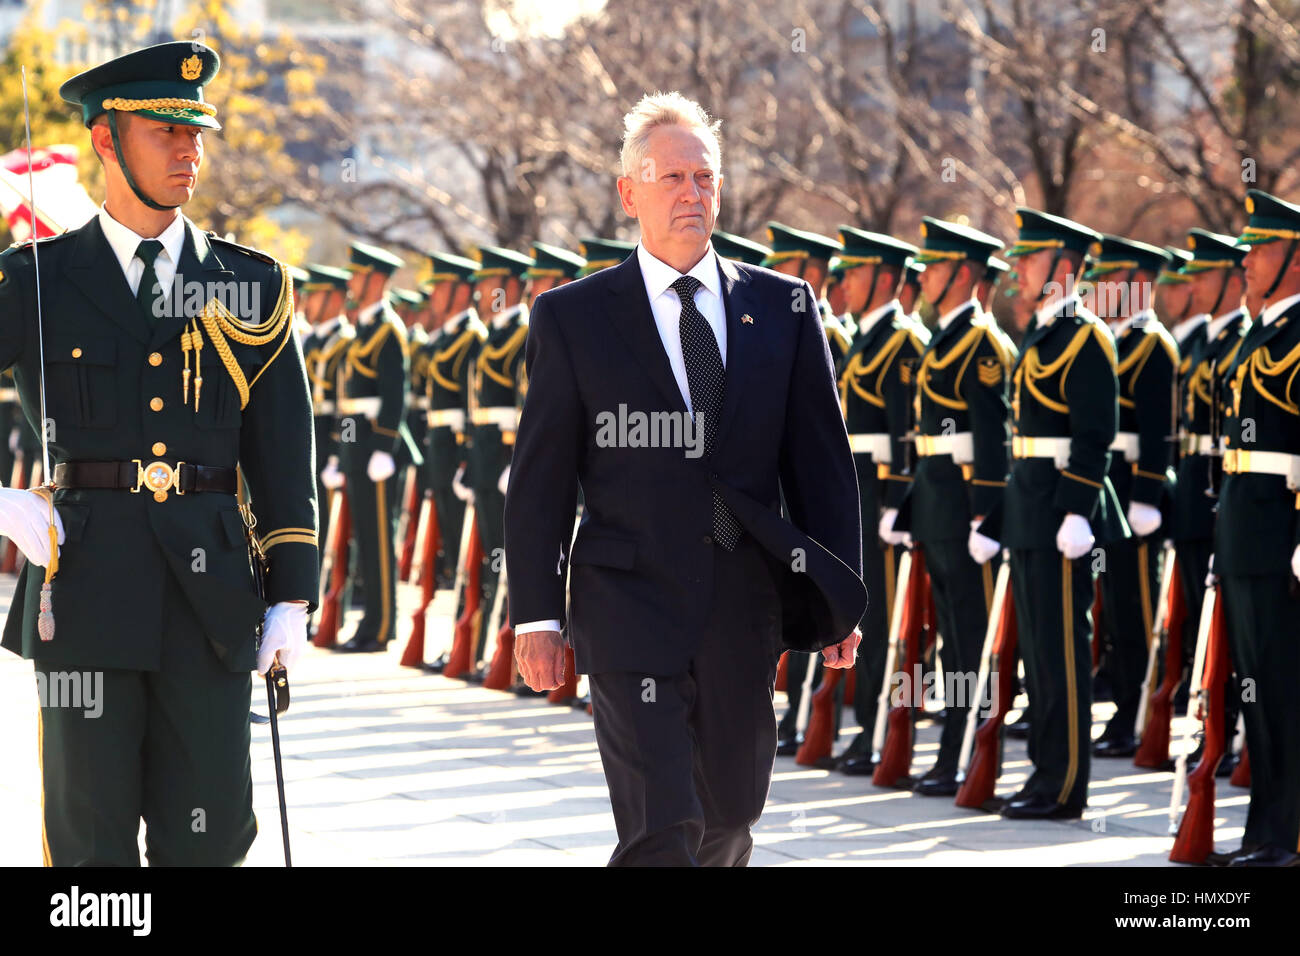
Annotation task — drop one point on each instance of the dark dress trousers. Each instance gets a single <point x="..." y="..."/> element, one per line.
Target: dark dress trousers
<point x="680" y="636"/>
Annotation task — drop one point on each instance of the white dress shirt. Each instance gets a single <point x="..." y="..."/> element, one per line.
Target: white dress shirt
<point x="1271" y="312"/>
<point x="124" y="242"/>
<point x="868" y="321"/>
<point x="951" y="314"/>
<point x="503" y="318"/>
<point x="1218" y="325"/>
<point x="367" y="314"/>
<point x="1186" y="327"/>
<point x="1047" y="314"/>
<point x="667" y="310"/>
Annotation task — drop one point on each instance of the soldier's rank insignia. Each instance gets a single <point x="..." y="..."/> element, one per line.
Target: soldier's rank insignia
<point x="990" y="371"/>
<point x="907" y="370"/>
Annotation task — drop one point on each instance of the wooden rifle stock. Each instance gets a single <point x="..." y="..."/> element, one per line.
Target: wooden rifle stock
<point x="896" y="754"/>
<point x="981" y="750"/>
<point x="1153" y="751"/>
<point x="426" y="558"/>
<point x="501" y="667"/>
<point x="782" y="671"/>
<point x="819" y="738"/>
<point x="1195" y="835"/>
<point x="461" y="657"/>
<point x="1241" y="773"/>
<point x="334" y="570"/>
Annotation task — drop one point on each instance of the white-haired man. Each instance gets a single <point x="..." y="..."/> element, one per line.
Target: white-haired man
<point x="685" y="393"/>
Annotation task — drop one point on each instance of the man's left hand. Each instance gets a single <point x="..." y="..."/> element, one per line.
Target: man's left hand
<point x="284" y="629"/>
<point x="844" y="653"/>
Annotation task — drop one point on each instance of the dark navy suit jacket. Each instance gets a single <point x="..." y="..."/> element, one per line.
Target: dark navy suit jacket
<point x="643" y="559"/>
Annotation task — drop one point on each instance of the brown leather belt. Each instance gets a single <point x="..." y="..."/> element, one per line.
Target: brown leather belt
<point x="140" y="475"/>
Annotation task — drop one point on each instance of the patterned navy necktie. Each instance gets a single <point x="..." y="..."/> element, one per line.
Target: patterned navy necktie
<point x="706" y="377"/>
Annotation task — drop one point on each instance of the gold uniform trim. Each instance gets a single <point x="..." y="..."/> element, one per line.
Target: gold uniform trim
<point x="505" y="352"/>
<point x="289" y="535"/>
<point x="879" y="365"/>
<point x="1071" y="691"/>
<point x="385" y="557"/>
<point x="160" y="104"/>
<point x="1080" y="478"/>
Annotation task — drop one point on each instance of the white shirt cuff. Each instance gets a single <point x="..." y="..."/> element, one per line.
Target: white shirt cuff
<point x="536" y="626"/>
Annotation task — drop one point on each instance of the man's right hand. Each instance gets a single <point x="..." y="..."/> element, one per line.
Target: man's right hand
<point x="540" y="658"/>
<point x="25" y="520"/>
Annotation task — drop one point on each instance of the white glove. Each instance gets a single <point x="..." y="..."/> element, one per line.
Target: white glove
<point x="381" y="466"/>
<point x="886" y="529"/>
<point x="25" y="520"/>
<point x="330" y="476"/>
<point x="1143" y="519"/>
<point x="504" y="481"/>
<point x="1074" y="538"/>
<point x="459" y="489"/>
<point x="13" y="442"/>
<point x="980" y="546"/>
<point x="1295" y="561"/>
<point x="284" y="629"/>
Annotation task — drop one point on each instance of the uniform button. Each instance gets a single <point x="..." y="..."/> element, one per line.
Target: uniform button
<point x="159" y="448"/>
<point x="156" y="403"/>
<point x="707" y="539"/>
<point x="76" y="353"/>
<point x="155" y="358"/>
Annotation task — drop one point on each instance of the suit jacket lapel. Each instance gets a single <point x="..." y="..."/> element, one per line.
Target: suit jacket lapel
<point x="740" y="338"/>
<point x="636" y="323"/>
<point x="199" y="263"/>
<point x="96" y="272"/>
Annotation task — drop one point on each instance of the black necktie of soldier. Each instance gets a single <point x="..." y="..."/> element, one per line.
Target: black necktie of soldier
<point x="147" y="292"/>
<point x="706" y="378"/>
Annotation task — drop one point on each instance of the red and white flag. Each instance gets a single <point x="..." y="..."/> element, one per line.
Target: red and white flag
<point x="62" y="203"/>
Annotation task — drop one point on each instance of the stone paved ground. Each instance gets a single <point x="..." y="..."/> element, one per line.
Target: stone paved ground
<point x="387" y="765"/>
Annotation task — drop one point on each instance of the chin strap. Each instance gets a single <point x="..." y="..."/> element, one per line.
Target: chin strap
<point x="1051" y="272"/>
<point x="121" y="162"/>
<point x="952" y="277"/>
<point x="1281" y="271"/>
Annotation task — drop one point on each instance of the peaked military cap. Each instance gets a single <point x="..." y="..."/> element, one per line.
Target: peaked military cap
<point x="495" y="261"/>
<point x="450" y="268"/>
<point x="731" y="246"/>
<point x="912" y="272"/>
<point x="790" y="243"/>
<point x="1041" y="230"/>
<point x="942" y="240"/>
<point x="603" y="253"/>
<point x="996" y="269"/>
<point x="1172" y="274"/>
<point x="862" y="248"/>
<point x="299" y="277"/>
<point x="1271" y="219"/>
<point x="554" y="261"/>
<point x="1115" y="253"/>
<point x="367" y="258"/>
<point x="408" y="297"/>
<point x="326" y="277"/>
<point x="1212" y="250"/>
<point x="163" y="82"/>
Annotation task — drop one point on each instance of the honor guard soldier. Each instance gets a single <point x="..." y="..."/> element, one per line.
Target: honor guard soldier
<point x="876" y="398"/>
<point x="372" y="394"/>
<point x="323" y="351"/>
<point x="1174" y="303"/>
<point x="453" y="356"/>
<point x="417" y="406"/>
<point x="986" y="289"/>
<point x="835" y="295"/>
<point x="494" y="407"/>
<point x="552" y="266"/>
<point x="909" y="293"/>
<point x="1215" y="282"/>
<point x="1257" y="535"/>
<point x="1058" y="503"/>
<point x="807" y="255"/>
<point x="1123" y="272"/>
<point x="961" y="463"/>
<point x="730" y="246"/>
<point x="299" y="277"/>
<point x="152" y="401"/>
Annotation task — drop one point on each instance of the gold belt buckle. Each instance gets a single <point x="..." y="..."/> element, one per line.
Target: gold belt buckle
<point x="158" y="477"/>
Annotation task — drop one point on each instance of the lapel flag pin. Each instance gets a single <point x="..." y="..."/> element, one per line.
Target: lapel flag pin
<point x="747" y="319"/>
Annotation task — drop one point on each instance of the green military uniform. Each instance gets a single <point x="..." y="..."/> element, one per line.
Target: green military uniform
<point x="875" y="396"/>
<point x="1206" y="354"/>
<point x="1141" y="456"/>
<point x="797" y="244"/>
<point x="961" y="469"/>
<point x="153" y="591"/>
<point x="372" y="394"/>
<point x="494" y="415"/>
<point x="323" y="349"/>
<point x="1254" y="540"/>
<point x="407" y="303"/>
<point x="452" y="357"/>
<point x="1064" y="418"/>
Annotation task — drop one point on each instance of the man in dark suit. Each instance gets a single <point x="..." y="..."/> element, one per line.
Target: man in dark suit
<point x="685" y="393"/>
